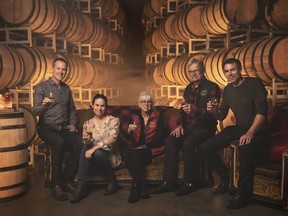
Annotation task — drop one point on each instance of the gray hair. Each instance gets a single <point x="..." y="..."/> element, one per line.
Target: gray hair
<point x="200" y="64"/>
<point x="144" y="96"/>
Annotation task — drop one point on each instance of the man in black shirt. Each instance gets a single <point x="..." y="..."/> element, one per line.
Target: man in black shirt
<point x="247" y="98"/>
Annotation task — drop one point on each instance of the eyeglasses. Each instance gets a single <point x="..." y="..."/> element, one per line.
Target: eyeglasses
<point x="148" y="102"/>
<point x="194" y="71"/>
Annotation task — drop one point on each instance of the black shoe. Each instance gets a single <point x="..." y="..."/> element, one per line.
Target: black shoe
<point x="112" y="188"/>
<point x="185" y="189"/>
<point x="58" y="193"/>
<point x="79" y="193"/>
<point x="221" y="188"/>
<point x="69" y="187"/>
<point x="164" y="188"/>
<point x="135" y="193"/>
<point x="238" y="201"/>
<point x="145" y="192"/>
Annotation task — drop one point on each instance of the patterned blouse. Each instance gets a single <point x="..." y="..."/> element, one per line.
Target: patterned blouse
<point x="105" y="136"/>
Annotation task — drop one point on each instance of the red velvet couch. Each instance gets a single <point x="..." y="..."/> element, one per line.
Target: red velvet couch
<point x="154" y="171"/>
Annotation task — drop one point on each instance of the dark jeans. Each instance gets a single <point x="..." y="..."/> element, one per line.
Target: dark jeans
<point x="136" y="161"/>
<point x="60" y="142"/>
<point x="102" y="161"/>
<point x="247" y="155"/>
<point x="192" y="139"/>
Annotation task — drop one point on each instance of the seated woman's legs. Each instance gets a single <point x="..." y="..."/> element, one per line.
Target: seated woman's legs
<point x="136" y="162"/>
<point x="84" y="165"/>
<point x="101" y="159"/>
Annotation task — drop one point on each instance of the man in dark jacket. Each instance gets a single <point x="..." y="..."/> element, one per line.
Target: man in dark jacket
<point x="195" y="125"/>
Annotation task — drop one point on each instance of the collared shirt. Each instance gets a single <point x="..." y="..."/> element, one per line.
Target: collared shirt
<point x="62" y="111"/>
<point x="198" y="96"/>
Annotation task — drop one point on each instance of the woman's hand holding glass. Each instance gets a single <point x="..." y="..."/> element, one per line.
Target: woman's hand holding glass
<point x="87" y="137"/>
<point x="132" y="127"/>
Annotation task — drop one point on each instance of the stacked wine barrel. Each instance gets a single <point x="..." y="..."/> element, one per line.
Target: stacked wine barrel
<point x="264" y="57"/>
<point x="22" y="65"/>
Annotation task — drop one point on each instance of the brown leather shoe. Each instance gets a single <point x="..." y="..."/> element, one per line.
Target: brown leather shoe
<point x="58" y="194"/>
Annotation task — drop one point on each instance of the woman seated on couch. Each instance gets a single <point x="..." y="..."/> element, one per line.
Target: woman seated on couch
<point x="144" y="132"/>
<point x="99" y="135"/>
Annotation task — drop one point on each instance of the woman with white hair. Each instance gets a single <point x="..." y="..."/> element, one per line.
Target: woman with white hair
<point x="144" y="132"/>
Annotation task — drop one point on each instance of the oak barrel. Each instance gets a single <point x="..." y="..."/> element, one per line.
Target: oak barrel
<point x="187" y="24"/>
<point x="152" y="9"/>
<point x="37" y="63"/>
<point x="41" y="15"/>
<point x="276" y="14"/>
<point x="13" y="154"/>
<point x="218" y="14"/>
<point x="265" y="59"/>
<point x="11" y="70"/>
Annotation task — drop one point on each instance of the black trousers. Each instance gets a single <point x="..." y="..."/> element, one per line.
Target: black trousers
<point x="247" y="155"/>
<point x="136" y="161"/>
<point x="192" y="139"/>
<point x="60" y="142"/>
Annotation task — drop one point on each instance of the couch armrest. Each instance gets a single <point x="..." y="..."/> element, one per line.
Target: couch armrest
<point x="284" y="191"/>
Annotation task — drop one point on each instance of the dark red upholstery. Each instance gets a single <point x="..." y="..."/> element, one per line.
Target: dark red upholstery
<point x="278" y="118"/>
<point x="279" y="145"/>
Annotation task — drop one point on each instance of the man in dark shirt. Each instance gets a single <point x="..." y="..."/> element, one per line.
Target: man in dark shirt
<point x="195" y="125"/>
<point x="57" y="127"/>
<point x="247" y="98"/>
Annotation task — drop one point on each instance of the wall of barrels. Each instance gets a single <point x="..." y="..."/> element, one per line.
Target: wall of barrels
<point x="253" y="31"/>
<point x="89" y="34"/>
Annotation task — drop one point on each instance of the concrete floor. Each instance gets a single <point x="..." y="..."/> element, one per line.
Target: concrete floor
<point x="38" y="202"/>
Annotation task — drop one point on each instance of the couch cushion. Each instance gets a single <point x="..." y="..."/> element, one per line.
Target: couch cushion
<point x="279" y="143"/>
<point x="170" y="118"/>
<point x="278" y="118"/>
